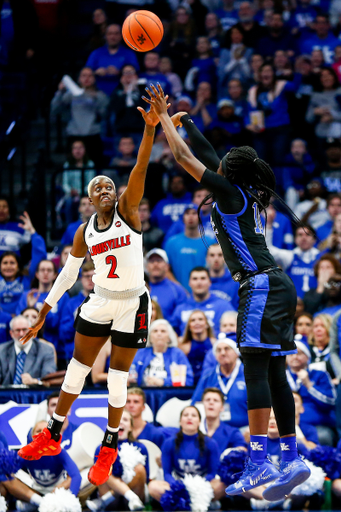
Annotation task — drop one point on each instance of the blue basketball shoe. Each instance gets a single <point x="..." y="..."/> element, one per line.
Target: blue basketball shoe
<point x="253" y="476"/>
<point x="293" y="473"/>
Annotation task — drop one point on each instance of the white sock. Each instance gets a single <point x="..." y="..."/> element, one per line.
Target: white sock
<point x="112" y="429"/>
<point x="108" y="497"/>
<point x="58" y="418"/>
<point x="129" y="495"/>
<point x="36" y="499"/>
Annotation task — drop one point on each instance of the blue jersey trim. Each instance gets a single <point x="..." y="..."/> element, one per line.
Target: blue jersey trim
<point x="232" y="228"/>
<point x="241" y="211"/>
<point x="283" y="352"/>
<point x="254" y="311"/>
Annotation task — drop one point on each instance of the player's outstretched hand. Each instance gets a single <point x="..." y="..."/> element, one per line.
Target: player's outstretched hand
<point x="33" y="331"/>
<point x="176" y="118"/>
<point x="157" y="99"/>
<point x="151" y="118"/>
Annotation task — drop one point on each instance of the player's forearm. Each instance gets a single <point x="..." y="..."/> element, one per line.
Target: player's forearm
<point x="178" y="147"/>
<point x="145" y="150"/>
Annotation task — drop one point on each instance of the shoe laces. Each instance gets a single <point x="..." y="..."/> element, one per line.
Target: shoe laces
<point x="248" y="468"/>
<point x="105" y="457"/>
<point x="41" y="438"/>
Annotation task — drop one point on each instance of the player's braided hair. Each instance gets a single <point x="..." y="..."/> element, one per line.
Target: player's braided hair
<point x="242" y="167"/>
<point x="180" y="435"/>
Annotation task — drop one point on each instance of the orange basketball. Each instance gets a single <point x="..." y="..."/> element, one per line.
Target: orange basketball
<point x="142" y="31"/>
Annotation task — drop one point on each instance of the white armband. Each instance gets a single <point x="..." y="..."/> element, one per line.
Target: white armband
<point x="67" y="278"/>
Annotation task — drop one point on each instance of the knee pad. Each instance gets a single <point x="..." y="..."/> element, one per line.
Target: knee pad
<point x="117" y="387"/>
<point x="75" y="376"/>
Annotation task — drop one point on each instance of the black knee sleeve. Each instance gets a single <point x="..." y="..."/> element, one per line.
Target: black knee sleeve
<point x="256" y="367"/>
<point x="281" y="395"/>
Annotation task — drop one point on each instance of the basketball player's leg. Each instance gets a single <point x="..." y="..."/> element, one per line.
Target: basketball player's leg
<point x="85" y="352"/>
<point x="120" y="362"/>
<point x="259" y="469"/>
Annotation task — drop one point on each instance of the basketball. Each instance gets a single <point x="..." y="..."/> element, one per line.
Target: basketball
<point x="142" y="31"/>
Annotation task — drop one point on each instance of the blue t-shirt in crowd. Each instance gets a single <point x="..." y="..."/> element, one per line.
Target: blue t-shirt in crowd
<point x="227" y="18"/>
<point x="153" y="434"/>
<point x="207" y="71"/>
<point x="213" y="307"/>
<point x="282" y="235"/>
<point x="101" y="58"/>
<point x="184" y="254"/>
<point x="66" y="328"/>
<point x="325" y="230"/>
<point x="225" y="288"/>
<point x="318" y="400"/>
<point x="188" y="459"/>
<point x="155" y="78"/>
<point x="197" y="355"/>
<point x="67" y="238"/>
<point x="179" y="226"/>
<point x="302" y="271"/>
<point x="228" y="437"/>
<point x="302" y="16"/>
<point x="169" y="210"/>
<point x="327" y="45"/>
<point x="168" y="294"/>
<point x="5" y="319"/>
<point x="235" y="398"/>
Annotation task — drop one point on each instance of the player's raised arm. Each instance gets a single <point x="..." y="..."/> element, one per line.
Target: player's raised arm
<point x="131" y="197"/>
<point x="178" y="147"/>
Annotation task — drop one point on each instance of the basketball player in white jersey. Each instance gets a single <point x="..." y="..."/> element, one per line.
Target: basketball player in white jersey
<point x="120" y="306"/>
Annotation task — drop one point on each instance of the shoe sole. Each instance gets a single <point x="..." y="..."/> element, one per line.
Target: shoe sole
<point x="38" y="456"/>
<point x="236" y="492"/>
<point x="93" y="482"/>
<point x="282" y="491"/>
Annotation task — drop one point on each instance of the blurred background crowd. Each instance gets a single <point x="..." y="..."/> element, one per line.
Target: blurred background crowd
<point x="264" y="73"/>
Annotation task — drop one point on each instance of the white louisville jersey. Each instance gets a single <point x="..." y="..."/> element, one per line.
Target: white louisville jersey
<point x="117" y="254"/>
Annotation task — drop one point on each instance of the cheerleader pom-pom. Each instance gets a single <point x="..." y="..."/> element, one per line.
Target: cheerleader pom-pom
<point x="130" y="457"/>
<point x="10" y="463"/>
<point x="177" y="498"/>
<point x="313" y="484"/>
<point x="117" y="469"/>
<point x="327" y="458"/>
<point x="3" y="504"/>
<point x="232" y="464"/>
<point x="200" y="492"/>
<point x="61" y="500"/>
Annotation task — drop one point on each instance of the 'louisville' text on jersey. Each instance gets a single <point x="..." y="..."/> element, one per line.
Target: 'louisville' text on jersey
<point x="108" y="245"/>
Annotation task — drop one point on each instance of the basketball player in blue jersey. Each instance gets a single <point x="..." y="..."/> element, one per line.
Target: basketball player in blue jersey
<point x="242" y="188"/>
<point x="120" y="306"/>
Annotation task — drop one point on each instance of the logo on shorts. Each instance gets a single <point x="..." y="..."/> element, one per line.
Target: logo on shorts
<point x="142" y="340"/>
<point x="142" y="320"/>
<point x="117" y="223"/>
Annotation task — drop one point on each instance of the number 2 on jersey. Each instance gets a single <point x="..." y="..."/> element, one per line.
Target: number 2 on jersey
<point x="258" y="221"/>
<point x="112" y="260"/>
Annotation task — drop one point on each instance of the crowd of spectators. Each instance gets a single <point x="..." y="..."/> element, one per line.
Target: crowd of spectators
<point x="266" y="74"/>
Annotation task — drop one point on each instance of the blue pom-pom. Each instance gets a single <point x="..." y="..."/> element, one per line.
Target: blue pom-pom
<point x="117" y="469"/>
<point x="10" y="463"/>
<point x="177" y="498"/>
<point x="231" y="465"/>
<point x="327" y="458"/>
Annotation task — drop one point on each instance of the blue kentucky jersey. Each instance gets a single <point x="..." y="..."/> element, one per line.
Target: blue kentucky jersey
<point x="302" y="272"/>
<point x="189" y="459"/>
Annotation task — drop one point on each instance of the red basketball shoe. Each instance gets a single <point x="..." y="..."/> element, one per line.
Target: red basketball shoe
<point x="42" y="444"/>
<point x="101" y="470"/>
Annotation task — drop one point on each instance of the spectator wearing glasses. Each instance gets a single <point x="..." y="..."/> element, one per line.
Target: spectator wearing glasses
<point x="24" y="364"/>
